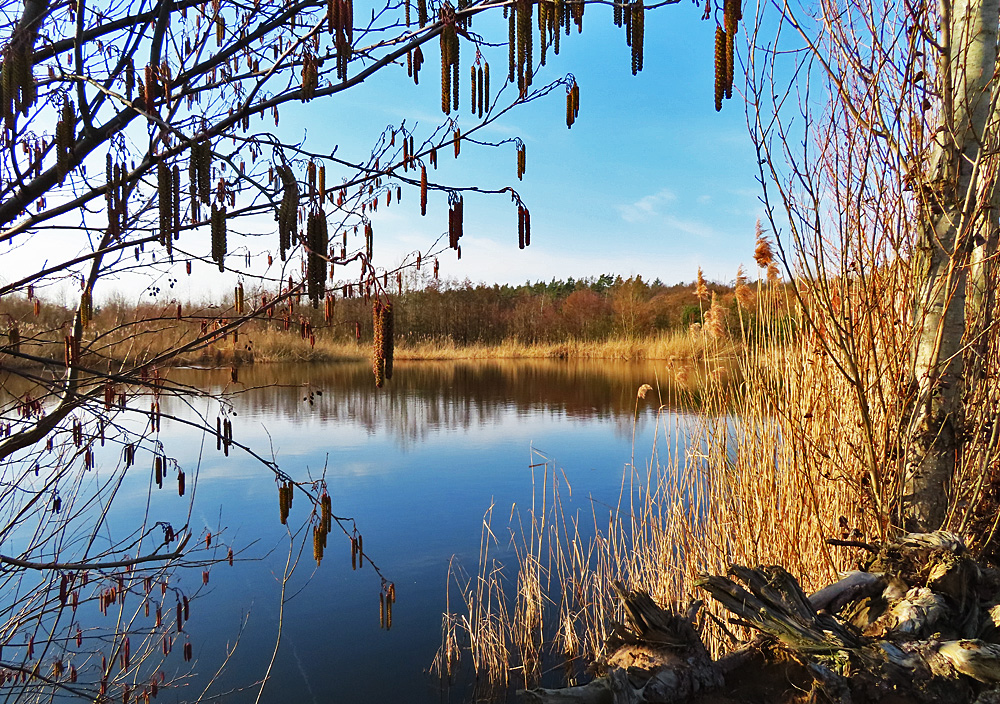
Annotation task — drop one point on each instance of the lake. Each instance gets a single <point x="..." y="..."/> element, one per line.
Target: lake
<point x="416" y="465"/>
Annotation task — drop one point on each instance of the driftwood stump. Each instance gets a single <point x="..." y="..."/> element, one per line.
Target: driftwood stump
<point x="920" y="623"/>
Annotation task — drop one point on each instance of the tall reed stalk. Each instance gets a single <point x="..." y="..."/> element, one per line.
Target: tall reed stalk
<point x="805" y="450"/>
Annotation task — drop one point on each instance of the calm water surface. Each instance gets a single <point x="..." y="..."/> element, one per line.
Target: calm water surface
<point x="416" y="465"/>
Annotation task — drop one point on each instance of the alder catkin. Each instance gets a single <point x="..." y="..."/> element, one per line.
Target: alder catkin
<point x="478" y="105"/>
<point x="205" y="171"/>
<point x="455" y="71"/>
<point x="423" y="190"/>
<point x="720" y="67"/>
<point x="163" y="191"/>
<point x="449" y="69"/>
<point x="486" y="86"/>
<point x="520" y="227"/>
<point x="638" y="23"/>
<point x="219" y="236"/>
<point x="287" y="210"/>
<point x="512" y="43"/>
<point x="732" y="12"/>
<point x="317" y="234"/>
<point x="175" y="208"/>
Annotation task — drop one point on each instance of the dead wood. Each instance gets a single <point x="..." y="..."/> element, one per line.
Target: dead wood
<point x="920" y="623"/>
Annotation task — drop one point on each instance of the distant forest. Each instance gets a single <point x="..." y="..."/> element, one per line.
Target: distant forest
<point x="588" y="309"/>
<point x="428" y="309"/>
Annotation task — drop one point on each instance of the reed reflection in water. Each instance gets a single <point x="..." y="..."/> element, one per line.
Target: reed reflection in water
<point x="428" y="396"/>
<point x="416" y="464"/>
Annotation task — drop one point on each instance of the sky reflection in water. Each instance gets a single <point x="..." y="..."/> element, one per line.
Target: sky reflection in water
<point x="416" y="464"/>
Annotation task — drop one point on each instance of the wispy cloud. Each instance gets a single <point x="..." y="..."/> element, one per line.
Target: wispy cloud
<point x="660" y="210"/>
<point x="647" y="207"/>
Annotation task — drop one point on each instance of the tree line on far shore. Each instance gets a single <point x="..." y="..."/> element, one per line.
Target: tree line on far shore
<point x="430" y="309"/>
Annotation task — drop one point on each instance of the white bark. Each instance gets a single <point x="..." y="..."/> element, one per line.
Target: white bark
<point x="950" y="210"/>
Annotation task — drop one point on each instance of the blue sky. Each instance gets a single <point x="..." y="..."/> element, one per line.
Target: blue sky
<point x="650" y="180"/>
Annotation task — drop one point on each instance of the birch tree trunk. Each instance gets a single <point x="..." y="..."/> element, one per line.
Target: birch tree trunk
<point x="955" y="217"/>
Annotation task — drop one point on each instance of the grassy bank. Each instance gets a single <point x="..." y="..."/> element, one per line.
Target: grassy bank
<point x="607" y="318"/>
<point x="270" y="346"/>
<point x="261" y="345"/>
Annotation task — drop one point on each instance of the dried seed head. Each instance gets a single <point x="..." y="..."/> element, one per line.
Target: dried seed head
<point x="701" y="288"/>
<point x="744" y="294"/>
<point x="763" y="254"/>
<point x="773" y="273"/>
<point x="715" y="319"/>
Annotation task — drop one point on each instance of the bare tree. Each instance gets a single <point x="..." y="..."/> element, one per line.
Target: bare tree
<point x="131" y="129"/>
<point x="886" y="120"/>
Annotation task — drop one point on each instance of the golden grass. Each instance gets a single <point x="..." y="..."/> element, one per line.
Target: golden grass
<point x="763" y="474"/>
<point x="139" y="335"/>
<point x="267" y="346"/>
<point x="274" y="346"/>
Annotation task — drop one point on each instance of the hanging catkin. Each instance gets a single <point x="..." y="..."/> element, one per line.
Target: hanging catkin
<point x="638" y="24"/>
<point x="572" y="103"/>
<point x="486" y="87"/>
<point x="193" y="183"/>
<point x="418" y="61"/>
<point x="480" y="92"/>
<point x="732" y="13"/>
<point x="388" y="338"/>
<point x="219" y="236"/>
<point x="288" y="209"/>
<point x="164" y="196"/>
<point x="446" y="69"/>
<point x="86" y="308"/>
<point x="318" y="241"/>
<point x="378" y="360"/>
<point x="175" y="207"/>
<point x="423" y="190"/>
<point x="65" y="138"/>
<point x="520" y="227"/>
<point x="455" y="69"/>
<point x="382" y="341"/>
<point x="474" y="102"/>
<point x="721" y="71"/>
<point x="205" y="171"/>
<point x="512" y="43"/>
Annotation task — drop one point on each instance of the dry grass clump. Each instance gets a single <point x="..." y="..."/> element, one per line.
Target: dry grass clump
<point x="807" y="449"/>
<point x="278" y="346"/>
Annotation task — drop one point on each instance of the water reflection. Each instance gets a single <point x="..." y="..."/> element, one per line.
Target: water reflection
<point x="416" y="464"/>
<point x="425" y="397"/>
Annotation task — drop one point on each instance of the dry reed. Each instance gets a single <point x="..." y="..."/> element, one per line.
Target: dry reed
<point x="761" y="475"/>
